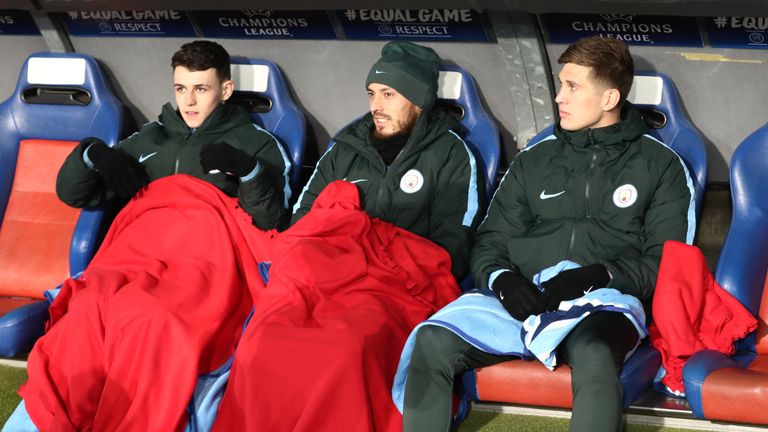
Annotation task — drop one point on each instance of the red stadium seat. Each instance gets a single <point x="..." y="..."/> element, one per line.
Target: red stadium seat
<point x="735" y="388"/>
<point x="59" y="99"/>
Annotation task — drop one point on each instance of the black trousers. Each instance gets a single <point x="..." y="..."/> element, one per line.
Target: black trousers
<point x="595" y="350"/>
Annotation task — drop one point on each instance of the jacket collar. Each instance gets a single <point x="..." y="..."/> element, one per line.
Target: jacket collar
<point x="630" y="127"/>
<point x="224" y="117"/>
<point x="429" y="126"/>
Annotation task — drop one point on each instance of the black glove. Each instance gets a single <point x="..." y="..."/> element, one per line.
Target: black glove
<point x="518" y="295"/>
<point x="225" y="158"/>
<point x="572" y="284"/>
<point x="122" y="174"/>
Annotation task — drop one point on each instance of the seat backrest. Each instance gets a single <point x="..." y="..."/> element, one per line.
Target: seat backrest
<point x="458" y="93"/>
<point x="59" y="100"/>
<point x="743" y="262"/>
<point x="261" y="88"/>
<point x="655" y="96"/>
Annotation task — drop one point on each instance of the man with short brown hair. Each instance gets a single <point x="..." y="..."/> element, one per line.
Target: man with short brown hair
<point x="204" y="136"/>
<point x="599" y="194"/>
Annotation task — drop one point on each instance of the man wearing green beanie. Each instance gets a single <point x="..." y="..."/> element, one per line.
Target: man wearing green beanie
<point x="320" y="352"/>
<point x="406" y="156"/>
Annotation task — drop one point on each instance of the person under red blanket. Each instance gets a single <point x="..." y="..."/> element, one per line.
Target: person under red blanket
<point x="322" y="348"/>
<point x="162" y="302"/>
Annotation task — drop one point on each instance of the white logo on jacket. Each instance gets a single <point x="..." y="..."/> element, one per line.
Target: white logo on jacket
<point x="624" y="196"/>
<point x="411" y="182"/>
<point x="544" y="195"/>
<point x="142" y="158"/>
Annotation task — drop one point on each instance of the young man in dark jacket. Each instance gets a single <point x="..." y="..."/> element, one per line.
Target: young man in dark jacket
<point x="203" y="137"/>
<point x="600" y="193"/>
<point x="406" y="156"/>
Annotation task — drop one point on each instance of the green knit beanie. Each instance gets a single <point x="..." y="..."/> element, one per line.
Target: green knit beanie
<point x="410" y="69"/>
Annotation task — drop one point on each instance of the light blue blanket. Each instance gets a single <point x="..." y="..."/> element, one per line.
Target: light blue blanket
<point x="479" y="318"/>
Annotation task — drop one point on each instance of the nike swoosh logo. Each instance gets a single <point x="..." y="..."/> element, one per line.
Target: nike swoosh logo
<point x="501" y="295"/>
<point x="142" y="158"/>
<point x="379" y="71"/>
<point x="544" y="195"/>
<point x="586" y="291"/>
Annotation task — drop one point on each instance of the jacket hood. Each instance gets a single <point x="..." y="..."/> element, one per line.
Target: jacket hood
<point x="222" y="119"/>
<point x="630" y="127"/>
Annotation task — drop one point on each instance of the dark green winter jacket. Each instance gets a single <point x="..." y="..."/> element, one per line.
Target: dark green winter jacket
<point x="167" y="146"/>
<point x="611" y="195"/>
<point x="433" y="188"/>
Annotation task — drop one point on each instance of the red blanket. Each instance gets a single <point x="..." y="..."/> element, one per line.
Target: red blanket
<point x="163" y="301"/>
<point x="322" y="348"/>
<point x="691" y="312"/>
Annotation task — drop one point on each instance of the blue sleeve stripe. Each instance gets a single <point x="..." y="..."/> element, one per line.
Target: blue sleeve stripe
<point x="493" y="198"/>
<point x="287" y="164"/>
<point x="254" y="172"/>
<point x="546" y="138"/>
<point x="87" y="160"/>
<point x="494" y="275"/>
<point x="297" y="206"/>
<point x="692" y="203"/>
<point x="472" y="198"/>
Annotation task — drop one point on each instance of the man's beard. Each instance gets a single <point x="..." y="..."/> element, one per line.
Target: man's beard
<point x="403" y="128"/>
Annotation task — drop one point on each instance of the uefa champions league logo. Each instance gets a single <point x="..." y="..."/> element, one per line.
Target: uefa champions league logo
<point x="250" y="13"/>
<point x="617" y="17"/>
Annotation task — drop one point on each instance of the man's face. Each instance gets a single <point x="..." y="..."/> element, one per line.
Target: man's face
<point x="393" y="114"/>
<point x="581" y="102"/>
<point x="198" y="93"/>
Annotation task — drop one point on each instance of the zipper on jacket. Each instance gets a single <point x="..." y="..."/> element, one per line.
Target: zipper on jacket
<point x="376" y="209"/>
<point x="572" y="241"/>
<point x="587" y="215"/>
<point x="178" y="154"/>
<point x="587" y="183"/>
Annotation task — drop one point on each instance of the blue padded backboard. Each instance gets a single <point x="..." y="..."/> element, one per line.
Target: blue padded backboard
<point x="456" y="86"/>
<point x="277" y="112"/>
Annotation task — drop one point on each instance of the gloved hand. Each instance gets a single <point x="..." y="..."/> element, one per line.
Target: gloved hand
<point x="572" y="284"/>
<point x="122" y="174"/>
<point x="225" y="158"/>
<point x="518" y="295"/>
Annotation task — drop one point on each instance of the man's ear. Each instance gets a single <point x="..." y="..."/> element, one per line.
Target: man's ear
<point x="611" y="98"/>
<point x="227" y="87"/>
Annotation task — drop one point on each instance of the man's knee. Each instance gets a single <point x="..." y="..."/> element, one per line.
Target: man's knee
<point x="600" y="342"/>
<point x="589" y="350"/>
<point x="435" y="340"/>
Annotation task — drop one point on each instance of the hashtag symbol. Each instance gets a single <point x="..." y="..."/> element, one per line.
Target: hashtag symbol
<point x="720" y="22"/>
<point x="350" y="14"/>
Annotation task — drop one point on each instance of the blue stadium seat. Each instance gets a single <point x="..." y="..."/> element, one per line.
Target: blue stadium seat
<point x="261" y="88"/>
<point x="735" y="388"/>
<point x="458" y="94"/>
<point x="456" y="87"/>
<point x="530" y="383"/>
<point x="59" y="99"/>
